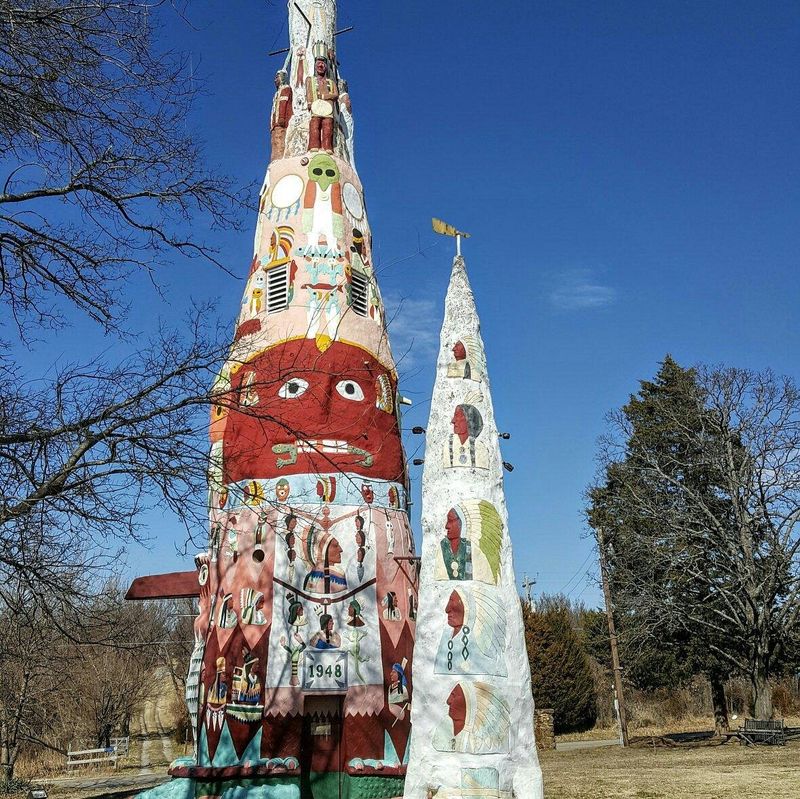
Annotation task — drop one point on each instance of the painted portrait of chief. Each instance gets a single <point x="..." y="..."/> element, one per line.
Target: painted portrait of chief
<point x="470" y="548"/>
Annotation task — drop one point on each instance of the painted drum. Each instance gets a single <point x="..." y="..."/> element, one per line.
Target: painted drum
<point x="322" y="108"/>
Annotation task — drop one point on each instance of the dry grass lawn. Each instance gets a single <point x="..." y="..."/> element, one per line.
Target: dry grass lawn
<point x="703" y="773"/>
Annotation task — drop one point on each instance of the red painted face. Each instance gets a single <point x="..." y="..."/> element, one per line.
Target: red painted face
<point x="453" y="525"/>
<point x="459" y="351"/>
<point x="457" y="708"/>
<point x="311" y="412"/>
<point x="459" y="422"/>
<point x="321" y="68"/>
<point x="455" y="612"/>
<point x="367" y="493"/>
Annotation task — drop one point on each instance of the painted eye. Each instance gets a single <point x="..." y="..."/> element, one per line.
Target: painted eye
<point x="293" y="388"/>
<point x="317" y="171"/>
<point x="349" y="389"/>
<point x="330" y="173"/>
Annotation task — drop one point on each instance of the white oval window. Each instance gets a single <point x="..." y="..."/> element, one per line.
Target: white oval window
<point x="287" y="191"/>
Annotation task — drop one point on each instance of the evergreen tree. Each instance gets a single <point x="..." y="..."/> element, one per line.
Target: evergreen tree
<point x="698" y="511"/>
<point x="664" y="423"/>
<point x="561" y="675"/>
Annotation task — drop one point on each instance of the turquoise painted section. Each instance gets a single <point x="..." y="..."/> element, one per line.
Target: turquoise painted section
<point x="226" y="752"/>
<point x="202" y="747"/>
<point x="252" y="754"/>
<point x="174" y="789"/>
<point x="372" y="787"/>
<point x="390" y="757"/>
<point x="251" y="789"/>
<point x="275" y="788"/>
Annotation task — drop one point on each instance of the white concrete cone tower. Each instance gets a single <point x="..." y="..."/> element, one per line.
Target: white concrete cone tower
<point x="472" y="720"/>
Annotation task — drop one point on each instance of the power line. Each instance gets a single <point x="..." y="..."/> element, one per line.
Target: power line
<point x="580" y="569"/>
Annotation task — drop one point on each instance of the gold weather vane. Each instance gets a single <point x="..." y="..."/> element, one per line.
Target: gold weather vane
<point x="448" y="230"/>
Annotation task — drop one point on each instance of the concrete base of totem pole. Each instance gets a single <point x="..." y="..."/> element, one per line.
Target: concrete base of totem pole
<point x="323" y="785"/>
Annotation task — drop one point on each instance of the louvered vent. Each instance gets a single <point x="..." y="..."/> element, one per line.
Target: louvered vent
<point x="359" y="286"/>
<point x="277" y="288"/>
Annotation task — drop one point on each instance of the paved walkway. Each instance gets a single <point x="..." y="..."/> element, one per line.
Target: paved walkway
<point x="154" y="735"/>
<point x="569" y="746"/>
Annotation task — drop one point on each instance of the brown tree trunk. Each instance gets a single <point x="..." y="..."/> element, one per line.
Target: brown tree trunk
<point x="762" y="696"/>
<point x="719" y="703"/>
<point x="5" y="759"/>
<point x="8" y="759"/>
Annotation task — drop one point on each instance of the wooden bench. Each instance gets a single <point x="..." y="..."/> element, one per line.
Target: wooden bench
<point x="757" y="731"/>
<point x="85" y="757"/>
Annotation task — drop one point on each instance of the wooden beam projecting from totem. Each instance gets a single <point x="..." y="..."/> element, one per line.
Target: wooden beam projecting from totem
<point x="286" y="49"/>
<point x="176" y="585"/>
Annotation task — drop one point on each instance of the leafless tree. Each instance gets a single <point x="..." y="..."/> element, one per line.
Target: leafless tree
<point x="116" y="676"/>
<point x="175" y="653"/>
<point x="704" y="525"/>
<point x="76" y="679"/>
<point x="101" y="175"/>
<point x="84" y="452"/>
<point x="28" y="675"/>
<point x="102" y="181"/>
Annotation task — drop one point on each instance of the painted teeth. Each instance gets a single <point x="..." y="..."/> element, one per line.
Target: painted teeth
<point x="328" y="446"/>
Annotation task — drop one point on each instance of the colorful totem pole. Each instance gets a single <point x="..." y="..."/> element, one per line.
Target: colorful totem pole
<point x="475" y="737"/>
<point x="300" y="682"/>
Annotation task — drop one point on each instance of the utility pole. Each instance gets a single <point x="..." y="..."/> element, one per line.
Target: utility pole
<point x="527" y="585"/>
<point x="619" y="701"/>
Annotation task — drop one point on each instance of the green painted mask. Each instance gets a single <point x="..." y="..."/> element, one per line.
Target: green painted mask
<point x="323" y="171"/>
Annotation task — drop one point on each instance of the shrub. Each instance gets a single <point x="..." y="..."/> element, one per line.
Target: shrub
<point x="561" y="675"/>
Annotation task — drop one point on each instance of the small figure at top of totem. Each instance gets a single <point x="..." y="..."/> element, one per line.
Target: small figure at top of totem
<point x="281" y="114"/>
<point x="321" y="93"/>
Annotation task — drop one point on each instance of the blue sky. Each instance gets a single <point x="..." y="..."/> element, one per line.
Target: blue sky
<point x="630" y="173"/>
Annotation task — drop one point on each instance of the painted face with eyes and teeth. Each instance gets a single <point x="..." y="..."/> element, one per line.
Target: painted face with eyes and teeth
<point x="317" y="413"/>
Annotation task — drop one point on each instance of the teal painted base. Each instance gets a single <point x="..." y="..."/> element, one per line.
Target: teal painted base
<point x="320" y="786"/>
<point x="372" y="787"/>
